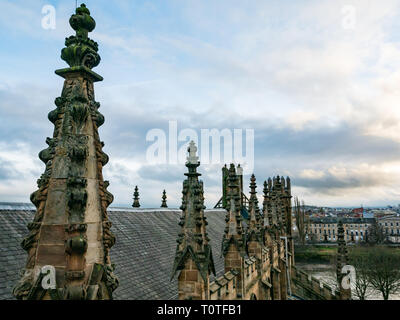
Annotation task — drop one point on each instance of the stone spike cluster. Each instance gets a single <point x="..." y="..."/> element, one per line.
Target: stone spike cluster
<point x="193" y="258"/>
<point x="136" y="203"/>
<point x="70" y="230"/>
<point x="234" y="229"/>
<point x="277" y="204"/>
<point x="164" y="200"/>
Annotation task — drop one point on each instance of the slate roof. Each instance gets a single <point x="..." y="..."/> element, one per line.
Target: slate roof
<point x="143" y="253"/>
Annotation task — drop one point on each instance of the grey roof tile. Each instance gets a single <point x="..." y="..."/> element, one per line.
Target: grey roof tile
<point x="143" y="253"/>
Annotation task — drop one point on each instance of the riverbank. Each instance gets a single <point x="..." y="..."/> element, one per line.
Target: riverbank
<point x="324" y="254"/>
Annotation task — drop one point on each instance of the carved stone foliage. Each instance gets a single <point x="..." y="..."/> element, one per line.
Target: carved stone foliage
<point x="80" y="50"/>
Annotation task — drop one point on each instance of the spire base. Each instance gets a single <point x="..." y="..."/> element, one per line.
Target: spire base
<point x="81" y="70"/>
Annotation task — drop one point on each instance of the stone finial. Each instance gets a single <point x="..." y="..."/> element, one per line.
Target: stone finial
<point x="239" y="170"/>
<point x="192" y="157"/>
<point x="136" y="203"/>
<point x="164" y="200"/>
<point x="81" y="51"/>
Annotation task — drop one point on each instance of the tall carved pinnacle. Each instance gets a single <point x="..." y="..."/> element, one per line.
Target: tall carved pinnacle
<point x="164" y="200"/>
<point x="267" y="212"/>
<point x="193" y="241"/>
<point x="254" y="210"/>
<point x="278" y="206"/>
<point x="254" y="235"/>
<point x="70" y="230"/>
<point x="136" y="203"/>
<point x="234" y="228"/>
<point x="342" y="255"/>
<point x="342" y="260"/>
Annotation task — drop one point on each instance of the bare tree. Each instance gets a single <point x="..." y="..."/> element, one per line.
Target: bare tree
<point x="301" y="219"/>
<point x="375" y="234"/>
<point x="383" y="270"/>
<point x="359" y="259"/>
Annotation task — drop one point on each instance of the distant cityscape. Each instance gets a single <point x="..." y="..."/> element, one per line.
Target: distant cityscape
<point x="322" y="223"/>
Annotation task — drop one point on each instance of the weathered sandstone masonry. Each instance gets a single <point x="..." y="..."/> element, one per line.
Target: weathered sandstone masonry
<point x="71" y="230"/>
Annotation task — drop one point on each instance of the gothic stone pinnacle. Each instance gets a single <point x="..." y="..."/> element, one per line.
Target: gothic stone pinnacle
<point x="72" y="198"/>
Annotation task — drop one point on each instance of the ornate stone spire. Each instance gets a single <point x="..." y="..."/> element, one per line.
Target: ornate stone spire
<point x="342" y="260"/>
<point x="136" y="203"/>
<point x="267" y="212"/>
<point x="234" y="238"/>
<point x="193" y="258"/>
<point x="254" y="229"/>
<point x="71" y="230"/>
<point x="164" y="200"/>
<point x="342" y="256"/>
<point x="255" y="236"/>
<point x="234" y="230"/>
<point x="287" y="197"/>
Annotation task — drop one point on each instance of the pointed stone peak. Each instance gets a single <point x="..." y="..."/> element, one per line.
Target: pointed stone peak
<point x="253" y="184"/>
<point x="136" y="198"/>
<point x="254" y="210"/>
<point x="164" y="200"/>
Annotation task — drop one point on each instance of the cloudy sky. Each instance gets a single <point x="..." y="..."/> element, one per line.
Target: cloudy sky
<point x="317" y="81"/>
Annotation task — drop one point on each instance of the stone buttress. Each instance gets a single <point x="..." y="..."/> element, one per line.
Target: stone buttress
<point x="193" y="259"/>
<point x="70" y="230"/>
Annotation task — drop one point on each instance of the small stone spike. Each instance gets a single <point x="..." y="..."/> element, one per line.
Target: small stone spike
<point x="136" y="203"/>
<point x="164" y="200"/>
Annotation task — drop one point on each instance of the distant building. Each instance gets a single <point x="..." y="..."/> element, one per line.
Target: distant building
<point x="391" y="227"/>
<point x="368" y="215"/>
<point x="356" y="229"/>
<point x="325" y="229"/>
<point x="358" y="211"/>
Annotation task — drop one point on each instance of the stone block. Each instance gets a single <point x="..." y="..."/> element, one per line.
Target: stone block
<point x="52" y="234"/>
<point x="51" y="255"/>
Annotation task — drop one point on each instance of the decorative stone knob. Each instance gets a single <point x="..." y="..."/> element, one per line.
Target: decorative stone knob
<point x="82" y="22"/>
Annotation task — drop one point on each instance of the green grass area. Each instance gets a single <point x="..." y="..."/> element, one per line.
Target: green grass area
<point x="310" y="253"/>
<point x="326" y="254"/>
